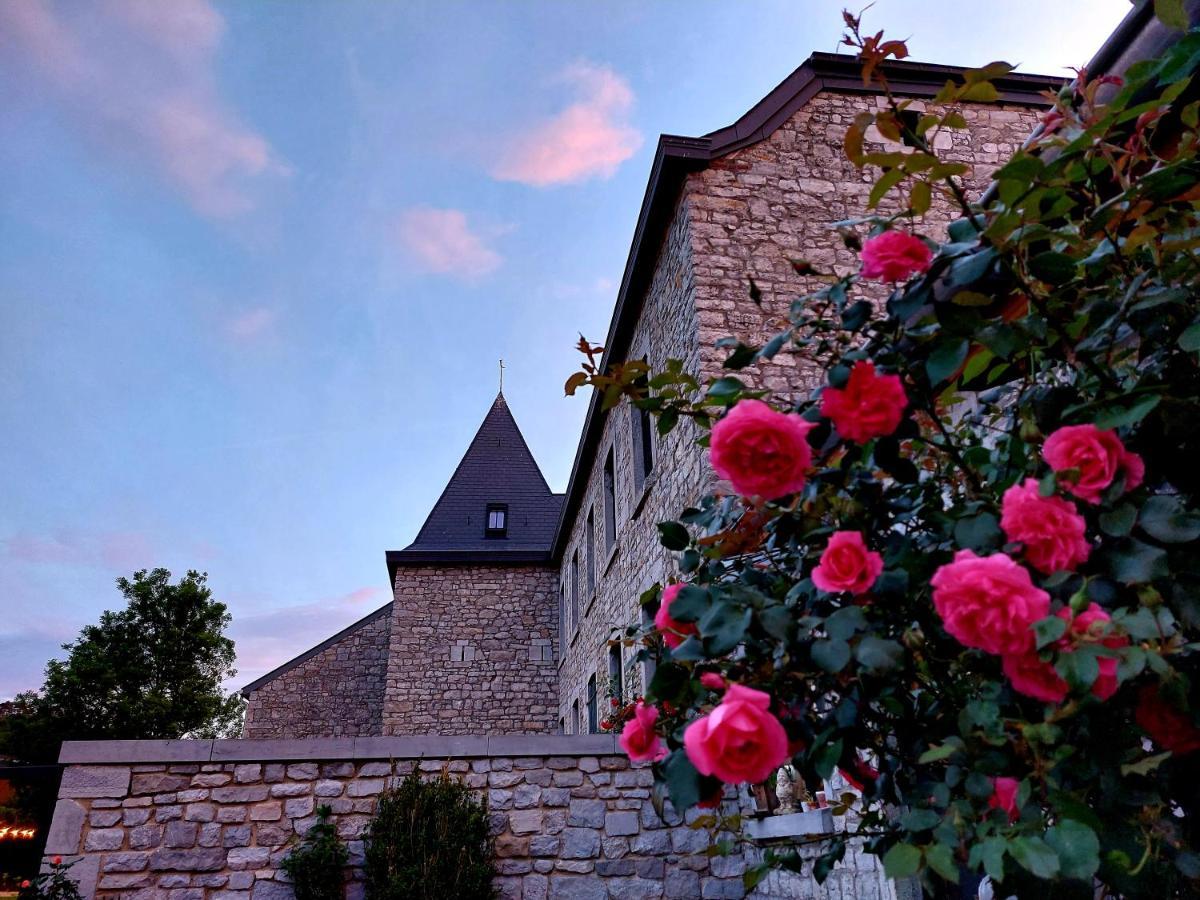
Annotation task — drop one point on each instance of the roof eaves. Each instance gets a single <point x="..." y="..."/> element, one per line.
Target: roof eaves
<point x="313" y="651"/>
<point x="397" y="559"/>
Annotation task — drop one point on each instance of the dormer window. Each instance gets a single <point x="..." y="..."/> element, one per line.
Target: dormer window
<point x="497" y="520"/>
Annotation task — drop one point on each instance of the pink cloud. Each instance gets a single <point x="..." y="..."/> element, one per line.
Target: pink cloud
<point x="122" y="551"/>
<point x="251" y="324"/>
<point x="137" y="76"/>
<point x="442" y="241"/>
<point x="588" y="139"/>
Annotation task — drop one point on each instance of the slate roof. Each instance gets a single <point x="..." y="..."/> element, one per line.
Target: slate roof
<point x="497" y="468"/>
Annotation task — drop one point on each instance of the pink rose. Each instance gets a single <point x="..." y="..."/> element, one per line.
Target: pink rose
<point x="868" y="406"/>
<point x="989" y="602"/>
<point x="674" y="633"/>
<point x="847" y="564"/>
<point x="1099" y="456"/>
<point x="1049" y="528"/>
<point x="713" y="681"/>
<point x="761" y="452"/>
<point x="895" y="256"/>
<point x="738" y="741"/>
<point x="1091" y="626"/>
<point x="638" y="739"/>
<point x="1004" y="796"/>
<point x="1034" y="678"/>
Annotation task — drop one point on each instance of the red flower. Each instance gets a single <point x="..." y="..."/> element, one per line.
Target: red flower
<point x="1004" y="796"/>
<point x="713" y="681"/>
<point x="1049" y="528"/>
<point x="639" y="739"/>
<point x="847" y="564"/>
<point x="1167" y="726"/>
<point x="740" y="740"/>
<point x="1098" y="456"/>
<point x="989" y="603"/>
<point x="674" y="633"/>
<point x="868" y="406"/>
<point x="761" y="452"/>
<point x="895" y="256"/>
<point x="1034" y="678"/>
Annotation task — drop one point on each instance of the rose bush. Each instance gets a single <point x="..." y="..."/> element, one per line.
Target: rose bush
<point x="973" y="584"/>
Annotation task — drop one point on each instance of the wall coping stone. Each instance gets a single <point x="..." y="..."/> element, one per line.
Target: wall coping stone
<point x="329" y="749"/>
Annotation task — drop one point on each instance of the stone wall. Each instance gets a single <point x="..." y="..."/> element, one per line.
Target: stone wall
<point x="336" y="692"/>
<point x="212" y="820"/>
<point x="472" y="651"/>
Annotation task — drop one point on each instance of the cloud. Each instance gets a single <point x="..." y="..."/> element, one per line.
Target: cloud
<point x="118" y="550"/>
<point x="442" y="241"/>
<point x="138" y="77"/>
<point x="251" y="323"/>
<point x="268" y="639"/>
<point x="588" y="139"/>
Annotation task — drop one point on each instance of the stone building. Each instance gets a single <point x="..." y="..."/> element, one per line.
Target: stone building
<point x="504" y="604"/>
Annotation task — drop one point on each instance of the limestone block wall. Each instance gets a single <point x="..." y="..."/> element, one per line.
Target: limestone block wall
<point x="336" y="692"/>
<point x="472" y="651"/>
<point x="212" y="820"/>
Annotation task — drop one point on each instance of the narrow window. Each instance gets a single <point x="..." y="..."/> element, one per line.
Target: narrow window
<point x="616" y="689"/>
<point x="564" y="625"/>
<point x="576" y="717"/>
<point x="589" y="540"/>
<point x="650" y="665"/>
<point x="574" y="590"/>
<point x="562" y="725"/>
<point x="593" y="722"/>
<point x="643" y="445"/>
<point x="497" y="521"/>
<point x="610" y="502"/>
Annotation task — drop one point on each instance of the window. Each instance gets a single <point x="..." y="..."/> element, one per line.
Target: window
<point x="576" y="718"/>
<point x="574" y="590"/>
<point x="592" y="722"/>
<point x="610" y="502"/>
<point x="650" y="665"/>
<point x="564" y="625"/>
<point x="562" y="725"/>
<point x="590" y="541"/>
<point x="616" y="688"/>
<point x="497" y="520"/>
<point x="643" y="445"/>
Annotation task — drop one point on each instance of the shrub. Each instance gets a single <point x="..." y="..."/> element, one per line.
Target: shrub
<point x="429" y="841"/>
<point x="53" y="884"/>
<point x="317" y="865"/>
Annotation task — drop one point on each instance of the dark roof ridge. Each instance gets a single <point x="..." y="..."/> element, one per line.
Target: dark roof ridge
<point x="677" y="155"/>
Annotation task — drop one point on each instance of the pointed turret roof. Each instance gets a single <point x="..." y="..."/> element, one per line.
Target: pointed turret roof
<point x="497" y="469"/>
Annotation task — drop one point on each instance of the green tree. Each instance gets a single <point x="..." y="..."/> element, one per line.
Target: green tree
<point x="151" y="670"/>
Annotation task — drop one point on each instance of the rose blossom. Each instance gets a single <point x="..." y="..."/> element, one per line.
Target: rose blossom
<point x="1090" y="626"/>
<point x="761" y="452"/>
<point x="895" y="256"/>
<point x="1004" y="796"/>
<point x="738" y="741"/>
<point x="1167" y="726"/>
<point x="868" y="406"/>
<point x="674" y="633"/>
<point x="713" y="681"/>
<point x="1034" y="678"/>
<point x="1098" y="455"/>
<point x="1049" y="528"/>
<point x="847" y="564"/>
<point x="989" y="602"/>
<point x="638" y="739"/>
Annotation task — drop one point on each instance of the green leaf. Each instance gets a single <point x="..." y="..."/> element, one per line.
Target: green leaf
<point x="920" y="819"/>
<point x="690" y="604"/>
<point x="1119" y="416"/>
<point x="776" y="621"/>
<point x="1118" y="522"/>
<point x="970" y="268"/>
<point x="1035" y="855"/>
<point x="1133" y="562"/>
<point x="724" y="627"/>
<point x="1166" y="519"/>
<point x="673" y="536"/>
<point x="1172" y="13"/>
<point x="902" y="861"/>
<point x="726" y="388"/>
<point x="826" y="862"/>
<point x="1190" y="339"/>
<point x="991" y="854"/>
<point x="683" y="781"/>
<point x="1077" y="847"/>
<point x="1049" y="630"/>
<point x="845" y="623"/>
<point x="940" y="858"/>
<point x="831" y="656"/>
<point x="978" y="532"/>
<point x="945" y="360"/>
<point x="1145" y="765"/>
<point x="1053" y="267"/>
<point x="878" y="654"/>
<point x="887" y="181"/>
<point x="942" y="751"/>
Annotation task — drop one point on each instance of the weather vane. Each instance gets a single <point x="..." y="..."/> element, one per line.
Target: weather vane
<point x="502" y="376"/>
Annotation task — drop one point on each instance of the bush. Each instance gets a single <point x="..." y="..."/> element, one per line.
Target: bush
<point x="317" y="866"/>
<point x="429" y="841"/>
<point x="53" y="884"/>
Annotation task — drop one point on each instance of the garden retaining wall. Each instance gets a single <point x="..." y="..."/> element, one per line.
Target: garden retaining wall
<point x="212" y="820"/>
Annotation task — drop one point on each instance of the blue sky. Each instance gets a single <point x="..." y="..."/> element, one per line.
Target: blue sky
<point x="258" y="261"/>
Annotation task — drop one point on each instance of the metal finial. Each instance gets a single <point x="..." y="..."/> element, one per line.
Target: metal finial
<point x="502" y="376"/>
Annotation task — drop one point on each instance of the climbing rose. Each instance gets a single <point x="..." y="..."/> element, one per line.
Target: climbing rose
<point x="895" y="256"/>
<point x="674" y="633"/>
<point x="1168" y="727"/>
<point x="713" y="681"/>
<point x="868" y="406"/>
<point x="859" y="773"/>
<point x="847" y="564"/>
<point x="1034" y="678"/>
<point x="1049" y="528"/>
<point x="989" y="602"/>
<point x="1098" y="455"/>
<point x="1090" y="626"/>
<point x="1004" y="796"/>
<point x="638" y="739"/>
<point x="761" y="452"/>
<point x="738" y="741"/>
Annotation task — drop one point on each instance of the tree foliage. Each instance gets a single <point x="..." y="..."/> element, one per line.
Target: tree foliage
<point x="317" y="867"/>
<point x="1068" y="297"/>
<point x="151" y="670"/>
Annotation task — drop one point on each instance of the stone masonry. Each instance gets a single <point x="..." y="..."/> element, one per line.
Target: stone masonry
<point x="334" y="693"/>
<point x="472" y="651"/>
<point x="212" y="820"/>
